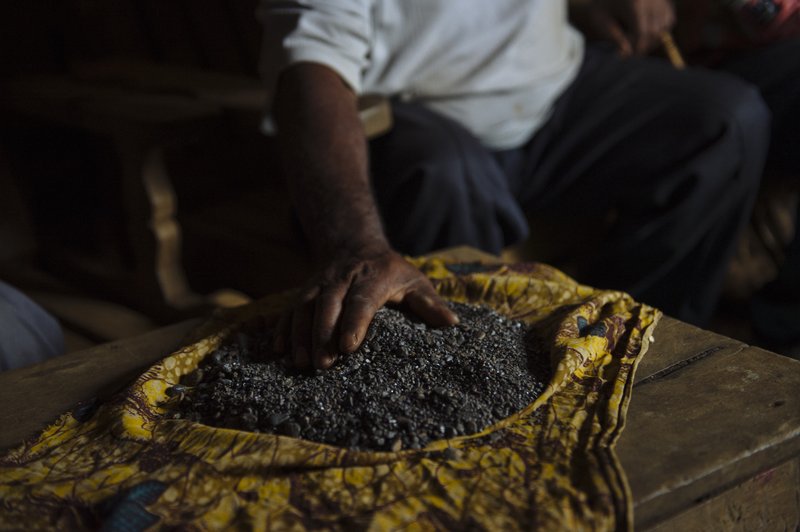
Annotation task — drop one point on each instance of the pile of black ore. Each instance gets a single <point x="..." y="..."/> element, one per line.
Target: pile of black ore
<point x="407" y="385"/>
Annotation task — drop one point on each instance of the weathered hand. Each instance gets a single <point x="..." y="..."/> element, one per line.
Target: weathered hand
<point x="634" y="26"/>
<point x="334" y="311"/>
<point x="324" y="150"/>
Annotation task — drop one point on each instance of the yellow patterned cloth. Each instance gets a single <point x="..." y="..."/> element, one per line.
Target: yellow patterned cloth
<point x="124" y="465"/>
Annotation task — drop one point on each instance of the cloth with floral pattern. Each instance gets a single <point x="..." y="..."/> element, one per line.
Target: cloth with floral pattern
<point x="125" y="465"/>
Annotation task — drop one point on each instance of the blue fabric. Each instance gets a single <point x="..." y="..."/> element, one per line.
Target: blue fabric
<point x="28" y="334"/>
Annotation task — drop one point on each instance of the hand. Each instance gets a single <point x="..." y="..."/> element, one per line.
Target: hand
<point x="634" y="26"/>
<point x="335" y="310"/>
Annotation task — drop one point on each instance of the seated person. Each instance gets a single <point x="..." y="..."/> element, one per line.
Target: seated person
<point x="500" y="110"/>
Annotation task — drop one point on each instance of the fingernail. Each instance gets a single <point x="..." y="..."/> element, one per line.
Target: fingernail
<point x="325" y="360"/>
<point x="349" y="344"/>
<point x="354" y="341"/>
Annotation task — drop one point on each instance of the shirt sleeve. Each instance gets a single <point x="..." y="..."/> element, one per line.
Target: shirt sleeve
<point x="335" y="33"/>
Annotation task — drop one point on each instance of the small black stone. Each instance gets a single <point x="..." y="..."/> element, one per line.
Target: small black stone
<point x="249" y="420"/>
<point x="290" y="429"/>
<point x="277" y="418"/>
<point x="175" y="390"/>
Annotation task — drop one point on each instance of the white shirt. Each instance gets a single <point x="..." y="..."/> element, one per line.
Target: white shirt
<point x="494" y="66"/>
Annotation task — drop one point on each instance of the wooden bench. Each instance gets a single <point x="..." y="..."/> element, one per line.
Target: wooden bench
<point x="712" y="438"/>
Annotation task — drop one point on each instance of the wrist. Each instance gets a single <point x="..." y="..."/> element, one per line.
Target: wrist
<point x="353" y="247"/>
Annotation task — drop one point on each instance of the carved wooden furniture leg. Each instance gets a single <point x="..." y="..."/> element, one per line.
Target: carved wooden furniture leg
<point x="153" y="229"/>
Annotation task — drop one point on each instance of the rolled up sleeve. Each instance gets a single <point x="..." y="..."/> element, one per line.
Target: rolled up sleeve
<point x="334" y="33"/>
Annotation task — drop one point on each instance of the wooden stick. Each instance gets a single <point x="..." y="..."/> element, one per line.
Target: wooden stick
<point x="672" y="50"/>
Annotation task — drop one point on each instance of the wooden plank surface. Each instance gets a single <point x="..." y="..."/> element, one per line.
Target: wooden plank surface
<point x="768" y="501"/>
<point x="678" y="344"/>
<point x="707" y="425"/>
<point x="32" y="397"/>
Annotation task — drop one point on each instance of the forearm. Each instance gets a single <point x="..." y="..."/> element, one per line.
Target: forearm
<point x="324" y="153"/>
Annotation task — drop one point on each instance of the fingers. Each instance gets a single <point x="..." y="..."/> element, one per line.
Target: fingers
<point x="334" y="315"/>
<point x="647" y="35"/>
<point x="363" y="301"/>
<point x="302" y="321"/>
<point x="328" y="310"/>
<point x="283" y="329"/>
<point x="310" y="327"/>
<point x="426" y="304"/>
<point x="653" y="18"/>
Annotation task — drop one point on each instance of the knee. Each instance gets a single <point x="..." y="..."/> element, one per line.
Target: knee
<point x="750" y="118"/>
<point x="736" y="123"/>
<point x="746" y="110"/>
<point x="737" y="109"/>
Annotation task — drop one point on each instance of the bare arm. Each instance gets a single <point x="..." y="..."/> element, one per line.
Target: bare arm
<point x="325" y="158"/>
<point x="324" y="150"/>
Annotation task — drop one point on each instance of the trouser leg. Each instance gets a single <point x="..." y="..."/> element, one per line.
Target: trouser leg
<point x="775" y="70"/>
<point x="436" y="186"/>
<point x="27" y="333"/>
<point x="677" y="156"/>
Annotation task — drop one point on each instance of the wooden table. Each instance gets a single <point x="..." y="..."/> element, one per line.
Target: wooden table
<point x="712" y="439"/>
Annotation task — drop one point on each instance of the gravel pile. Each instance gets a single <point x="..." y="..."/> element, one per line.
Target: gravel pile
<point x="407" y="385"/>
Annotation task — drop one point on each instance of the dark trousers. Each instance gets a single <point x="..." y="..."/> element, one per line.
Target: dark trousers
<point x="775" y="70"/>
<point x="675" y="155"/>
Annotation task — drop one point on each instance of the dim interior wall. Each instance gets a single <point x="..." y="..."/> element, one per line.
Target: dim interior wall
<point x="54" y="36"/>
<point x="16" y="234"/>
